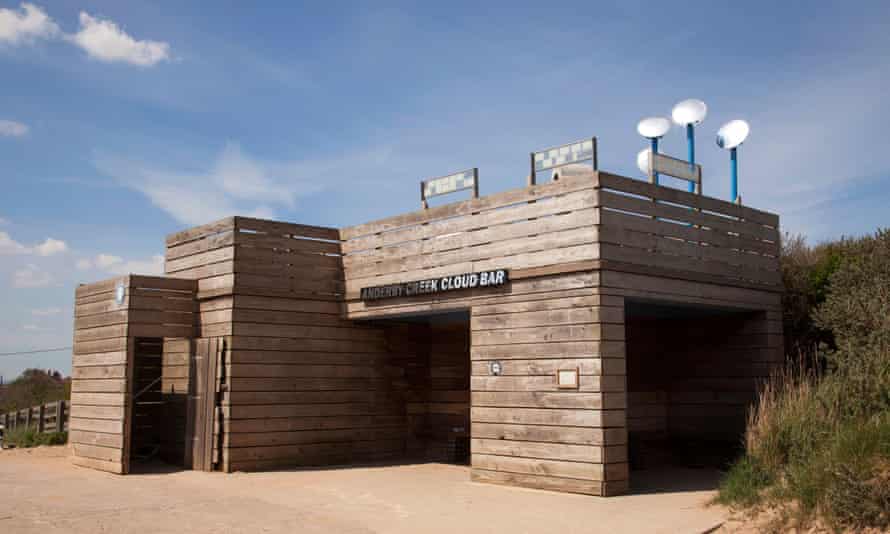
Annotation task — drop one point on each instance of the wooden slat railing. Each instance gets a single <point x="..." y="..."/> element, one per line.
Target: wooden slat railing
<point x="48" y="417"/>
<point x="597" y="220"/>
<point x="676" y="231"/>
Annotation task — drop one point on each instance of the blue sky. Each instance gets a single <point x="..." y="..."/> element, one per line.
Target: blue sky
<point x="121" y="122"/>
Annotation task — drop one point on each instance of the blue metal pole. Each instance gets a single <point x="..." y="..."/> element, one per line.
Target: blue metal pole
<point x="690" y="142"/>
<point x="654" y="142"/>
<point x="734" y="176"/>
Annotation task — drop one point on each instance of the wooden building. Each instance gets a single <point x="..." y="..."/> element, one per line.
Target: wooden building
<point x="599" y="318"/>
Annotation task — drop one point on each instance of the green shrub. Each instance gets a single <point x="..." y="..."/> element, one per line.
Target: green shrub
<point x="29" y="437"/>
<point x="744" y="483"/>
<point x="817" y="442"/>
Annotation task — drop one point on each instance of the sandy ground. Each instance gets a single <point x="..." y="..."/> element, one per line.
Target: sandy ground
<point x="40" y="491"/>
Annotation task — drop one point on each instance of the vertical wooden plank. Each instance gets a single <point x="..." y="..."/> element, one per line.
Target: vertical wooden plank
<point x="197" y="405"/>
<point x="209" y="402"/>
<point x="41" y="418"/>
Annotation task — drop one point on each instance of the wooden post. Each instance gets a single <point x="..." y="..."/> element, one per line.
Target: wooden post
<point x="27" y="418"/>
<point x="531" y="176"/>
<point x="60" y="416"/>
<point x="41" y="418"/>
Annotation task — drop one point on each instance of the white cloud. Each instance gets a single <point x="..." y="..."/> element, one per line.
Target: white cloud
<point x="50" y="247"/>
<point x="12" y="128"/>
<point x="106" y="41"/>
<point x="153" y="265"/>
<point x="46" y="312"/>
<point x="31" y="276"/>
<point x="26" y="24"/>
<point x="3" y="221"/>
<point x="31" y="327"/>
<point x="104" y="261"/>
<point x="234" y="183"/>
<point x="8" y="245"/>
<point x="112" y="264"/>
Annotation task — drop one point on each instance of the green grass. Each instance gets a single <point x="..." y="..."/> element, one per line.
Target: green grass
<point x="29" y="437"/>
<point x="810" y="460"/>
<point x="744" y="483"/>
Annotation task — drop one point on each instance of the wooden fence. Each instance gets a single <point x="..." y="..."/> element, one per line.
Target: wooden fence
<point x="48" y="417"/>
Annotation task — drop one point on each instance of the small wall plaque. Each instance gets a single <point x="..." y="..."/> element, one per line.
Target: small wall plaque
<point x="495" y="368"/>
<point x="567" y="378"/>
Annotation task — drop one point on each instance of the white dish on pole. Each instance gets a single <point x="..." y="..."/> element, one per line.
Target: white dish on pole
<point x="643" y="160"/>
<point x="690" y="111"/>
<point x="653" y="127"/>
<point x="732" y="134"/>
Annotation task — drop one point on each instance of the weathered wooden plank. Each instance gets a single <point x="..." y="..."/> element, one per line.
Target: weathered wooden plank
<point x="545" y="451"/>
<point x="497" y="200"/>
<point x="100" y="465"/>
<point x="569" y="485"/>
<point x="502" y="247"/>
<point x="669" y="194"/>
<point x="99" y="359"/>
<point x="198" y="232"/>
<point x="559" y="213"/>
<point x="545" y="383"/>
<point x="251" y="224"/>
<point x="603" y="349"/>
<point x="538" y="399"/>
<point x="540" y="367"/>
<point x="554" y="468"/>
<point x="537" y="416"/>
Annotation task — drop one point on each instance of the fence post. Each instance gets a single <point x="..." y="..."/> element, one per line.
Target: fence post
<point x="41" y="418"/>
<point x="27" y="418"/>
<point x="60" y="416"/>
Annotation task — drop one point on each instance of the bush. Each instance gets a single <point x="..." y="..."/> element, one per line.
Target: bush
<point x="817" y="442"/>
<point x="29" y="437"/>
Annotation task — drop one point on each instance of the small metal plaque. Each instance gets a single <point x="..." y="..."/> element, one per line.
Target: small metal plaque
<point x="565" y="154"/>
<point x="677" y="168"/>
<point x="567" y="378"/>
<point x="459" y="181"/>
<point x="559" y="156"/>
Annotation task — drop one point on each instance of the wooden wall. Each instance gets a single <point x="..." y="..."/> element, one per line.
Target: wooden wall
<point x="575" y="249"/>
<point x="104" y="338"/>
<point x="305" y="386"/>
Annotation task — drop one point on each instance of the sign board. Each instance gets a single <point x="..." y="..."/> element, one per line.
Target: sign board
<point x="559" y="156"/>
<point x="678" y="168"/>
<point x="444" y="284"/>
<point x="468" y="179"/>
<point x="567" y="378"/>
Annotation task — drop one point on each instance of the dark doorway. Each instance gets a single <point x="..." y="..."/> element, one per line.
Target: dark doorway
<point x="431" y="355"/>
<point x="147" y="401"/>
<point x="692" y="372"/>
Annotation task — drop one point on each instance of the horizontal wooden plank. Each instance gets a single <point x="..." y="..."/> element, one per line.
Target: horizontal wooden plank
<point x="571" y="349"/>
<point x="540" y="367"/>
<point x="568" y="485"/>
<point x="99" y="359"/>
<point x="96" y="438"/>
<point x="541" y="416"/>
<point x="498" y="200"/>
<point x="545" y="451"/>
<point x="509" y="464"/>
<point x="106" y="426"/>
<point x="100" y="465"/>
<point x="544" y="383"/>
<point x="198" y="232"/>
<point x="611" y="181"/>
<point x="251" y="224"/>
